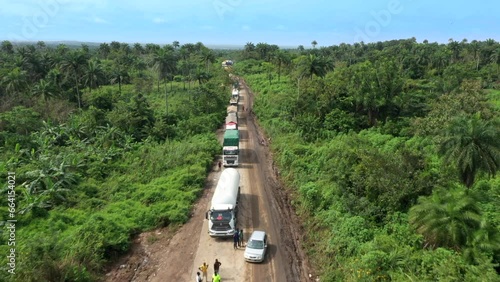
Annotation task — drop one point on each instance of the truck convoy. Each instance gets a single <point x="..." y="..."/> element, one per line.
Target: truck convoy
<point x="224" y="207"/>
<point x="231" y="147"/>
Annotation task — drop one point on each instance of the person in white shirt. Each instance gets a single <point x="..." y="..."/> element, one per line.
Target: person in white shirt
<point x="198" y="277"/>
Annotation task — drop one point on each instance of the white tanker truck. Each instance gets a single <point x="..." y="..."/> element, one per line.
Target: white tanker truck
<point x="224" y="207"/>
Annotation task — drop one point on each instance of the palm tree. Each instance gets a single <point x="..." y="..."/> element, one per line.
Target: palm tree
<point x="138" y="49"/>
<point x="73" y="66"/>
<point x="118" y="74"/>
<point x="7" y="47"/>
<point x="176" y="44"/>
<point x="474" y="51"/>
<point x="45" y="90"/>
<point x="447" y="218"/>
<point x="313" y="65"/>
<point x="55" y="78"/>
<point x="104" y="50"/>
<point x="163" y="62"/>
<point x="314" y="43"/>
<point x="207" y="57"/>
<point x="472" y="144"/>
<point x="93" y="74"/>
<point x="249" y="50"/>
<point x="281" y="58"/>
<point x="14" y="81"/>
<point x="495" y="58"/>
<point x="455" y="48"/>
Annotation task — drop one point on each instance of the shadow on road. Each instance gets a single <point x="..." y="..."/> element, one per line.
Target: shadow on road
<point x="248" y="156"/>
<point x="245" y="218"/>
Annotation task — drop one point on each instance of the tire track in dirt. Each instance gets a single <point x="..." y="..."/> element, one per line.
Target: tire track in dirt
<point x="291" y="261"/>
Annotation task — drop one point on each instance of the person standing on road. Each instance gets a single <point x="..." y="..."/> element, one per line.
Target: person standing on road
<point x="236" y="238"/>
<point x="217" y="266"/>
<point x="204" y="270"/>
<point x="240" y="238"/>
<point x="198" y="277"/>
<point x="219" y="164"/>
<point x="216" y="277"/>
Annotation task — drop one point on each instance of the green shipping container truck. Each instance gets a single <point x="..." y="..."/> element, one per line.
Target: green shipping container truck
<point x="231" y="147"/>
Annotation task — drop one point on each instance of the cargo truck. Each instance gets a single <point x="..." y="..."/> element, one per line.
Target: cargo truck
<point x="232" y="109"/>
<point x="224" y="207"/>
<point x="231" y="147"/>
<point x="235" y="94"/>
<point x="233" y="101"/>
<point x="232" y="121"/>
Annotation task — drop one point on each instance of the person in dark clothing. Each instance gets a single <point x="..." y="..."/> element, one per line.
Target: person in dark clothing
<point x="217" y="265"/>
<point x="236" y="238"/>
<point x="240" y="243"/>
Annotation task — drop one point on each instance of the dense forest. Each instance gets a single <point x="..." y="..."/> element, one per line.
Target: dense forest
<point x="390" y="151"/>
<point x="104" y="143"/>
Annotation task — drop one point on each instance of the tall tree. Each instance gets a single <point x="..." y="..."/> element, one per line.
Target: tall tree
<point x="104" y="50"/>
<point x="7" y="47"/>
<point x="207" y="57"/>
<point x="281" y="59"/>
<point x="93" y="74"/>
<point x="45" y="90"/>
<point x="313" y="65"/>
<point x="163" y="62"/>
<point x="14" y="81"/>
<point x="118" y="74"/>
<point x="472" y="145"/>
<point x="73" y="66"/>
<point x="447" y="218"/>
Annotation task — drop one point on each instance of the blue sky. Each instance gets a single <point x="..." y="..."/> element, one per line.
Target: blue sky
<point x="236" y="22"/>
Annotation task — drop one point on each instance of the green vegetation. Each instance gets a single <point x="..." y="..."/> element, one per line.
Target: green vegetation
<point x="391" y="150"/>
<point x="104" y="143"/>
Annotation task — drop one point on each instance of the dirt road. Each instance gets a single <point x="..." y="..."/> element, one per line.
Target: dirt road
<point x="264" y="205"/>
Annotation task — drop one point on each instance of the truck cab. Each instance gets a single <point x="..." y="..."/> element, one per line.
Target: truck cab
<point x="222" y="221"/>
<point x="230" y="155"/>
